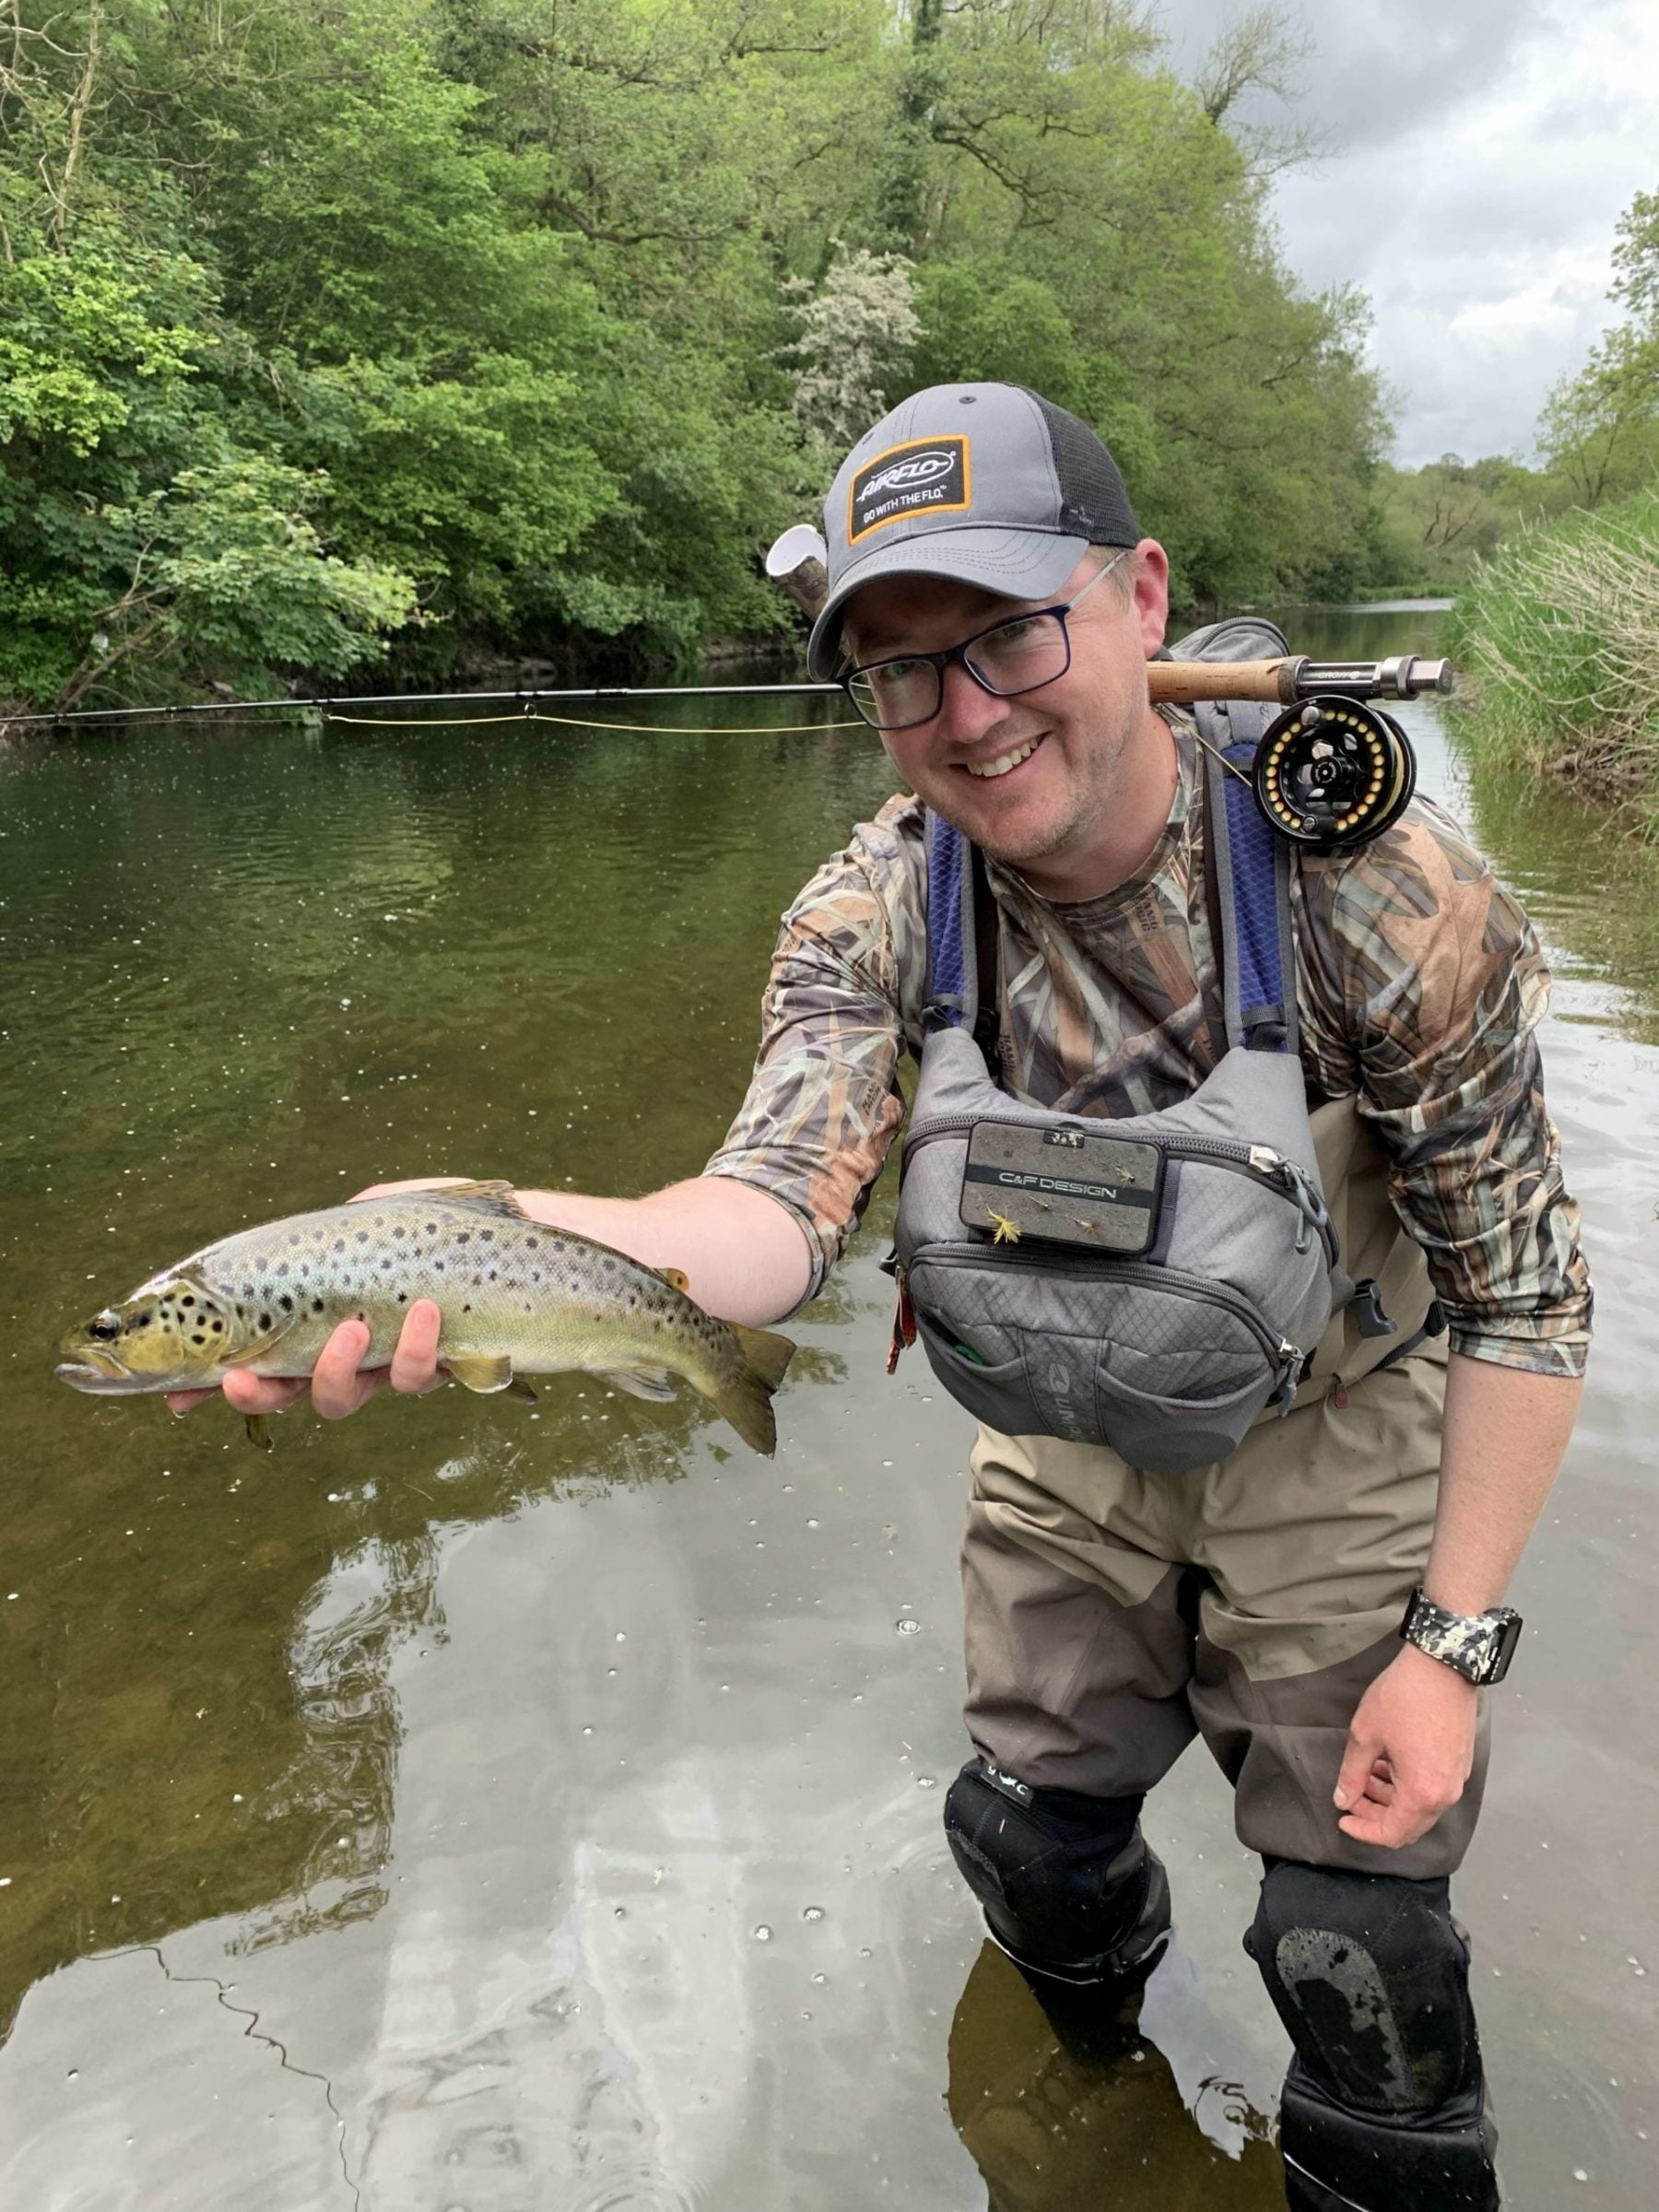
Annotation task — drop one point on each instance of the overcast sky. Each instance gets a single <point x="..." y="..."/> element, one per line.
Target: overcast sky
<point x="1482" y="151"/>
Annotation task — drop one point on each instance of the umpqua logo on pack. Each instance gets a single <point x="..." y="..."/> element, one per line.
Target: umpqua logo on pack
<point x="923" y="478"/>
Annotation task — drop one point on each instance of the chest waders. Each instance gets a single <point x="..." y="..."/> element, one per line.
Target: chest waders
<point x="1154" y="1282"/>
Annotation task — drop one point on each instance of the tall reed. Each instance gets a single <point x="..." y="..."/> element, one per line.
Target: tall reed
<point x="1557" y="643"/>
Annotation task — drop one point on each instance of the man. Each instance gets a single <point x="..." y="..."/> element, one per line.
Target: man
<point x="1111" y="1614"/>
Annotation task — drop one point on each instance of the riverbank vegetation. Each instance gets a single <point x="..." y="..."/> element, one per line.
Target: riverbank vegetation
<point x="426" y="332"/>
<point x="1557" y="645"/>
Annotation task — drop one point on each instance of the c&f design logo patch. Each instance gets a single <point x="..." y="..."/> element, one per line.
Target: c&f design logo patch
<point x="929" y="476"/>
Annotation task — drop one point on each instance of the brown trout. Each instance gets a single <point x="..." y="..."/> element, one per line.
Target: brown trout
<point x="518" y="1298"/>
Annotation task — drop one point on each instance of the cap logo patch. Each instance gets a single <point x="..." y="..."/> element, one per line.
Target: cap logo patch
<point x="929" y="476"/>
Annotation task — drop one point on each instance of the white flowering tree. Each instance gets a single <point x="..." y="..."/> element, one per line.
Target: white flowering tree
<point x="858" y="328"/>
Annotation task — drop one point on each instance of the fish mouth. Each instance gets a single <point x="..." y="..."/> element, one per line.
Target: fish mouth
<point x="80" y="1374"/>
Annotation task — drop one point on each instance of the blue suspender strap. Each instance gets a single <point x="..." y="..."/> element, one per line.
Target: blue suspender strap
<point x="951" y="970"/>
<point x="1252" y="876"/>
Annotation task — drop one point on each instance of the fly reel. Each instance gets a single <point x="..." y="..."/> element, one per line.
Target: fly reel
<point x="1332" y="773"/>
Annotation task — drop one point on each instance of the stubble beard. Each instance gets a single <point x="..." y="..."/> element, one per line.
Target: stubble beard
<point x="1090" y="805"/>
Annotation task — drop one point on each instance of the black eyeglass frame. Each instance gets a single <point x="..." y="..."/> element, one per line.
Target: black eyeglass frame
<point x="957" y="654"/>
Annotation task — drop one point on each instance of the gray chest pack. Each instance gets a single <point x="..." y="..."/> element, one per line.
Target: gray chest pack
<point x="1154" y="1281"/>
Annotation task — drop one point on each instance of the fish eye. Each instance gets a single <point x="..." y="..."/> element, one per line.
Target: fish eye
<point x="105" y="1328"/>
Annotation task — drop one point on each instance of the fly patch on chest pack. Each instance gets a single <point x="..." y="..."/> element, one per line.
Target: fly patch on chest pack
<point x="1061" y="1186"/>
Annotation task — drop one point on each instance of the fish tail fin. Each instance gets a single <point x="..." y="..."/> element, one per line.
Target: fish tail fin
<point x="746" y="1401"/>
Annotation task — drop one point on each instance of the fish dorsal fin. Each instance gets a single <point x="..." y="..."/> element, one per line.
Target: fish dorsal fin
<point x="677" y="1279"/>
<point x="490" y="1198"/>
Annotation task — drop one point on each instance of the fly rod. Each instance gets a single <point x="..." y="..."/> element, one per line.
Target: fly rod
<point x="796" y="563"/>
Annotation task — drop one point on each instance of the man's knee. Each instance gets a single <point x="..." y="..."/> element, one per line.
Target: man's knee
<point x="1068" y="1886"/>
<point x="1370" y="1974"/>
<point x="1383" y="2107"/>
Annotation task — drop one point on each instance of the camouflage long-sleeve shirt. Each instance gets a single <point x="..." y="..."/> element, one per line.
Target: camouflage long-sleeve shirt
<point x="1419" y="986"/>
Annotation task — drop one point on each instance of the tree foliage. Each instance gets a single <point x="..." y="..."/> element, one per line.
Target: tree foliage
<point x="1600" y="427"/>
<point x="447" y="329"/>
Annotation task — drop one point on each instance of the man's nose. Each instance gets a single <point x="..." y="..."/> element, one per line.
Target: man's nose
<point x="967" y="710"/>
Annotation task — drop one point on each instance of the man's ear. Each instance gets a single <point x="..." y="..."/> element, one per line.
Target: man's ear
<point x="1151" y="594"/>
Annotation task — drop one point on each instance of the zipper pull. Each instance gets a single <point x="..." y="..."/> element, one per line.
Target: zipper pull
<point x="1295" y="1362"/>
<point x="904" y="1320"/>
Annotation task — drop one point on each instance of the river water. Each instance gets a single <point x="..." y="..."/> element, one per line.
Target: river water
<point x="474" y="1809"/>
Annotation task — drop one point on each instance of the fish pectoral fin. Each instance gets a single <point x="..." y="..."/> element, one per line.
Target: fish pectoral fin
<point x="480" y="1370"/>
<point x="640" y="1381"/>
<point x="258" y="1426"/>
<point x="677" y="1279"/>
<point x="519" y="1388"/>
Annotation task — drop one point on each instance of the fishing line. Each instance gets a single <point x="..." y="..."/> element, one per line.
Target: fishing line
<point x="581" y="722"/>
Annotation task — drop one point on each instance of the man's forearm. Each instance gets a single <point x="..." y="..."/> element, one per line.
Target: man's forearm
<point x="1504" y="1434"/>
<point x="745" y="1255"/>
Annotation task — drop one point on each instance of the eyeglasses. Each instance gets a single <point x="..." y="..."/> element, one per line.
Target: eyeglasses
<point x="1010" y="657"/>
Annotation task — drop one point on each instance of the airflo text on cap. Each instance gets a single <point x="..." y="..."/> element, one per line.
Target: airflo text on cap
<point x="981" y="484"/>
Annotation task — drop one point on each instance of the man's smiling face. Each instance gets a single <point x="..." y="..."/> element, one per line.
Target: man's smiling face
<point x="1037" y="778"/>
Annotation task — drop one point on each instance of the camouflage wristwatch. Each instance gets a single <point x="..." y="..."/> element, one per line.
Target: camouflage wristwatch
<point x="1477" y="1645"/>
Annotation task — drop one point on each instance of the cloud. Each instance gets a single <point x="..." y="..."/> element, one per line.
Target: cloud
<point x="1482" y="151"/>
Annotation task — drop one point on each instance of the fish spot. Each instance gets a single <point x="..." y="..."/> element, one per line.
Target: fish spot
<point x="198" y="1338"/>
<point x="464" y="1237"/>
<point x="339" y="1244"/>
<point x="219" y="1328"/>
<point x="401" y="1296"/>
<point x="362" y="1238"/>
<point x="533" y="1242"/>
<point x="239" y="1313"/>
<point x="492" y="1275"/>
<point x="261" y="1264"/>
<point x="432" y="1228"/>
<point x="286" y="1302"/>
<point x="467" y="1309"/>
<point x="187" y="1299"/>
<point x="293" y="1239"/>
<point x="316" y="1305"/>
<point x="487" y="1236"/>
<point x="400" y="1232"/>
<point x="264" y="1321"/>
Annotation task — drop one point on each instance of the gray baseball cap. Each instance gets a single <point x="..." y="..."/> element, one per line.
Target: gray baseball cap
<point x="984" y="484"/>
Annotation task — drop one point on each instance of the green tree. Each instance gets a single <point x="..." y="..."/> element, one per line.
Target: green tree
<point x="1600" y="428"/>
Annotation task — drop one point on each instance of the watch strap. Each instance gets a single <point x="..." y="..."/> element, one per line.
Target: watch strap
<point x="1477" y="1645"/>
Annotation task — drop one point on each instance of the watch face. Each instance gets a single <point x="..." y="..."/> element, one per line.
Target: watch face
<point x="1509" y="1635"/>
<point x="1477" y="1646"/>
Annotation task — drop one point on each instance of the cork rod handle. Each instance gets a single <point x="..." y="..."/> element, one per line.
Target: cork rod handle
<point x="1178" y="683"/>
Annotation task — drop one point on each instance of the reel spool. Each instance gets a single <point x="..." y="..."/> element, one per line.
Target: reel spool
<point x="1333" y="772"/>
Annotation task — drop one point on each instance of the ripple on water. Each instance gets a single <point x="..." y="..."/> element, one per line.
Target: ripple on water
<point x="635" y="2190"/>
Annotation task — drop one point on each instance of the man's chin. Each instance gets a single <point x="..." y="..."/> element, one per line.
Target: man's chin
<point x="1012" y="842"/>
